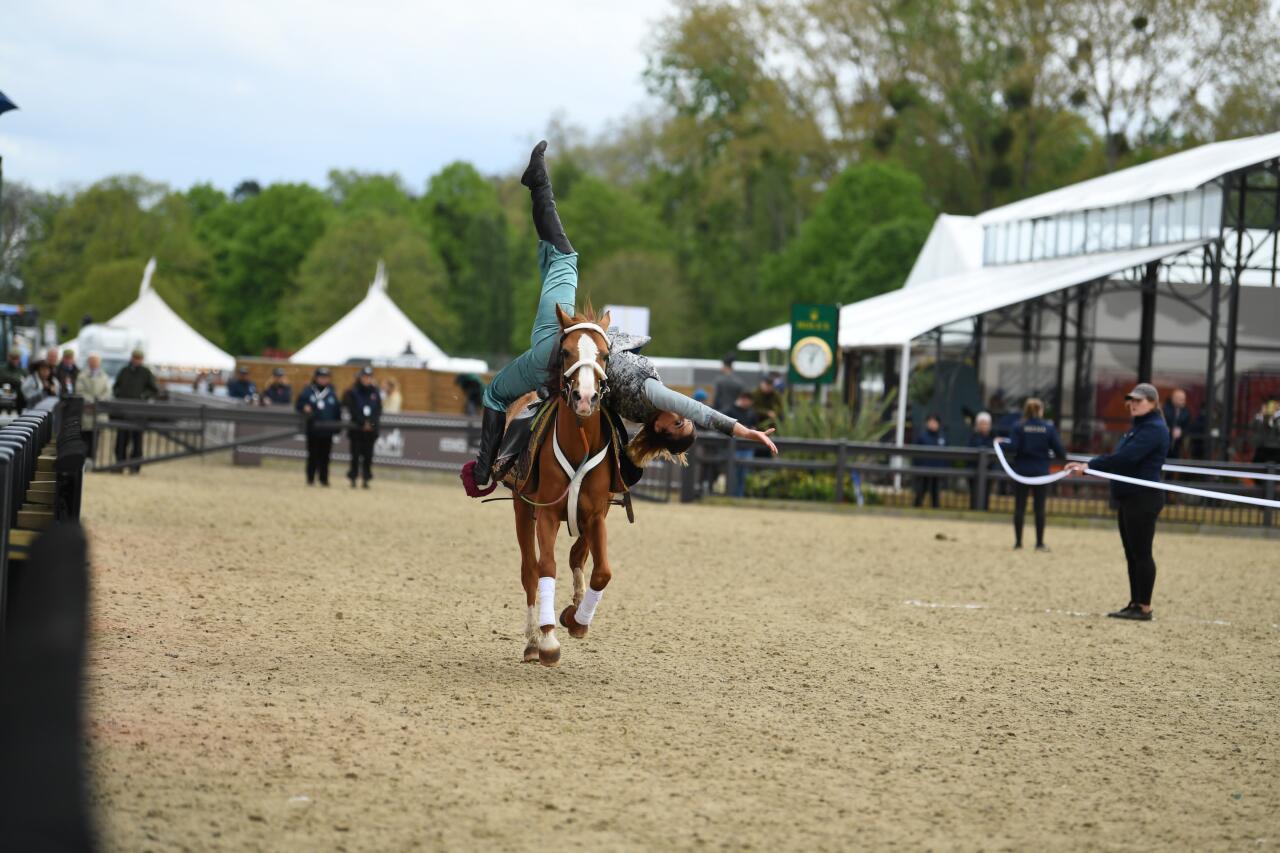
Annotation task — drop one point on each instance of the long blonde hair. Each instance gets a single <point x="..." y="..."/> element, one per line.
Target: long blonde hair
<point x="1033" y="408"/>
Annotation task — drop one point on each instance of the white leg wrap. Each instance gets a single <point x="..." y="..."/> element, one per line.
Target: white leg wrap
<point x="546" y="601"/>
<point x="587" y="609"/>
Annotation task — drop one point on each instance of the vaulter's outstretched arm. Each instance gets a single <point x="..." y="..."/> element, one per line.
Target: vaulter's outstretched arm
<point x="663" y="398"/>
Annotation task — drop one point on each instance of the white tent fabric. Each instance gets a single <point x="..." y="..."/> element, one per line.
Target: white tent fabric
<point x="954" y="246"/>
<point x="893" y="319"/>
<point x="376" y="329"/>
<point x="1176" y="173"/>
<point x="170" y="341"/>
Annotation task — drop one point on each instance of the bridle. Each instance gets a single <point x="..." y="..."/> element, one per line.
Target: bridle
<point x="566" y="385"/>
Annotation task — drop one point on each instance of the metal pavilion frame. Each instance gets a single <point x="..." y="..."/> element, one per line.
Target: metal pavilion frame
<point x="1246" y="248"/>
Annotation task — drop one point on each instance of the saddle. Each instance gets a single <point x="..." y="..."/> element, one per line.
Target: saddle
<point x="517" y="469"/>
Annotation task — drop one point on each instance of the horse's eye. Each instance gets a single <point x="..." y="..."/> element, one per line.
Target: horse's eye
<point x="564" y="354"/>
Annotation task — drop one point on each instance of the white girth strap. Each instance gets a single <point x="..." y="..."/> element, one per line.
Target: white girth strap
<point x="575" y="477"/>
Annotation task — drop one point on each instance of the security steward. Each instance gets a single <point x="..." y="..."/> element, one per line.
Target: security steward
<point x="319" y="403"/>
<point x="1140" y="454"/>
<point x="279" y="392"/>
<point x="1030" y="442"/>
<point x="364" y="405"/>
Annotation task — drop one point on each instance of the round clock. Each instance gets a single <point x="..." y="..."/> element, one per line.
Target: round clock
<point x="811" y="357"/>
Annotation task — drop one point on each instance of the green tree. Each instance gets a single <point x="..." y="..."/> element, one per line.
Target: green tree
<point x="353" y="191"/>
<point x="470" y="230"/>
<point x="258" y="244"/>
<point x="861" y="240"/>
<point x="336" y="273"/>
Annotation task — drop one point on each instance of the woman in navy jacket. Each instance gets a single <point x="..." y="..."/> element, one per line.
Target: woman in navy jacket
<point x="1030" y="443"/>
<point x="1141" y="455"/>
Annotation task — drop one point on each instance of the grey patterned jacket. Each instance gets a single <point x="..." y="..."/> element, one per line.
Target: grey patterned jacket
<point x="637" y="394"/>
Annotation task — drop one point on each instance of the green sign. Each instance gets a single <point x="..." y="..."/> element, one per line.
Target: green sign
<point x="815" y="332"/>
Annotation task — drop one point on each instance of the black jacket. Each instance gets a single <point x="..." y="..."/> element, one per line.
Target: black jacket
<point x="364" y="404"/>
<point x="135" y="383"/>
<point x="278" y="393"/>
<point x="325" y="408"/>
<point x="930" y="439"/>
<point x="1029" y="446"/>
<point x="1140" y="454"/>
<point x="1174" y="417"/>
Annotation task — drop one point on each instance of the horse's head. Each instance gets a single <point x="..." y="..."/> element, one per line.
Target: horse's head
<point x="583" y="352"/>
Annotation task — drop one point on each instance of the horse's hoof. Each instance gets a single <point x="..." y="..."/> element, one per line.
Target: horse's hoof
<point x="531" y="653"/>
<point x="566" y="619"/>
<point x="548" y="648"/>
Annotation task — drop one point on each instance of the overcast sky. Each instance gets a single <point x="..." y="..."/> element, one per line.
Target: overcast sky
<point x="275" y="90"/>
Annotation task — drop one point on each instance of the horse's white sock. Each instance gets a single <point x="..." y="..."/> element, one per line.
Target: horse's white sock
<point x="587" y="609"/>
<point x="546" y="601"/>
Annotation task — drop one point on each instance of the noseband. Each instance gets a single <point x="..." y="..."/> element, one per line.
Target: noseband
<point x="566" y="387"/>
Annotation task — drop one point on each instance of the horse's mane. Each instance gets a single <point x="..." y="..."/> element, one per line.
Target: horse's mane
<point x="555" y="367"/>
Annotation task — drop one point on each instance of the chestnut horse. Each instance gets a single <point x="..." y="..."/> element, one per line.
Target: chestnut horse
<point x="579" y="441"/>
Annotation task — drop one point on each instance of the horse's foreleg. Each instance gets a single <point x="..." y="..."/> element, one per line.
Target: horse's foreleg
<point x="528" y="577"/>
<point x="577" y="618"/>
<point x="577" y="563"/>
<point x="547" y="526"/>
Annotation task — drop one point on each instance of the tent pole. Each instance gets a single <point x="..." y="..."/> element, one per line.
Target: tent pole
<point x="904" y="374"/>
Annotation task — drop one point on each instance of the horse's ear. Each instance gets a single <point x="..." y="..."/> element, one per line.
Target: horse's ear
<point x="565" y="320"/>
<point x="604" y="321"/>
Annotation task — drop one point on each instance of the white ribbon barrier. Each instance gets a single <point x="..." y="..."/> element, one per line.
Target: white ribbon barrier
<point x="1191" y="469"/>
<point x="1150" y="484"/>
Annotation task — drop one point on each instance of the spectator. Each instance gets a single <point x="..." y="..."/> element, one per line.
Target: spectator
<point x="981" y="437"/>
<point x="728" y="386"/>
<point x="66" y="373"/>
<point x="202" y="385"/>
<point x="741" y="411"/>
<point x="766" y="402"/>
<point x="11" y="378"/>
<point x="134" y="382"/>
<point x="364" y="404"/>
<point x="1029" y="446"/>
<point x="242" y="387"/>
<point x="931" y="437"/>
<point x="392" y="399"/>
<point x="95" y="387"/>
<point x="279" y="392"/>
<point x="473" y="392"/>
<point x="51" y="356"/>
<point x="1265" y="431"/>
<point x="38" y="384"/>
<point x="1178" y="418"/>
<point x="319" y="404"/>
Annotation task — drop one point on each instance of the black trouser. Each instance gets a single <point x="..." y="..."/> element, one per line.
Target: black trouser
<point x="973" y="493"/>
<point x="1038" y="494"/>
<point x="319" y="447"/>
<point x="89" y="437"/>
<point x="125" y="438"/>
<point x="361" y="455"/>
<point x="1137" y="518"/>
<point x="930" y="483"/>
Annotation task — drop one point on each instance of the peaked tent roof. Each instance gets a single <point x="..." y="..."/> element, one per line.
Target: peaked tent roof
<point x="171" y="342"/>
<point x="377" y="329"/>
<point x="954" y="245"/>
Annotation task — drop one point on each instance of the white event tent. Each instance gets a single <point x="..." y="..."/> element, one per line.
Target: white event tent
<point x="170" y="341"/>
<point x="377" y="330"/>
<point x="1071" y="236"/>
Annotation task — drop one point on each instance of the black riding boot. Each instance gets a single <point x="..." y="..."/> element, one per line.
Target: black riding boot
<point x="491" y="430"/>
<point x="545" y="219"/>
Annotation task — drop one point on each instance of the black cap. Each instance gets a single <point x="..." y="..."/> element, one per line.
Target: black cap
<point x="277" y="371"/>
<point x="322" y="371"/>
<point x="366" y="371"/>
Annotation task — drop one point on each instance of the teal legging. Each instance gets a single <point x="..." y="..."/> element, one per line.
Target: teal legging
<point x="529" y="371"/>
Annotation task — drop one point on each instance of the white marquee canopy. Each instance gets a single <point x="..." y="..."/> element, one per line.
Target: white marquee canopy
<point x="376" y="329"/>
<point x="171" y="342"/>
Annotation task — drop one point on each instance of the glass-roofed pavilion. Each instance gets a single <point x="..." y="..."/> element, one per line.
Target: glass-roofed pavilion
<point x="1164" y="272"/>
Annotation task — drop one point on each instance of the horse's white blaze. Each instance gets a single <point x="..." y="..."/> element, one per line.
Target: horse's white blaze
<point x="579" y="584"/>
<point x="588" y="352"/>
<point x="546" y="601"/>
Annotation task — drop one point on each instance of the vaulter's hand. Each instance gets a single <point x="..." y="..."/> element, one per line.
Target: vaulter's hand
<point x="739" y="431"/>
